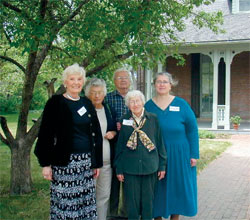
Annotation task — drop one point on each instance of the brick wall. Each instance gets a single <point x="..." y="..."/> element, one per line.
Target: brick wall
<point x="240" y="82"/>
<point x="183" y="74"/>
<point x="240" y="85"/>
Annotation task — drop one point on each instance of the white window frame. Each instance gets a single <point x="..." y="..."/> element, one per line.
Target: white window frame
<point x="236" y="7"/>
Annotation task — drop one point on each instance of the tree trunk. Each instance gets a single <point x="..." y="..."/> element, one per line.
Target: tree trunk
<point x="20" y="168"/>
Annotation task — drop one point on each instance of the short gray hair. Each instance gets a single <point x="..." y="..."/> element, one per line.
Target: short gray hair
<point x="95" y="82"/>
<point x="172" y="81"/>
<point x="122" y="70"/>
<point x="73" y="69"/>
<point x="134" y="93"/>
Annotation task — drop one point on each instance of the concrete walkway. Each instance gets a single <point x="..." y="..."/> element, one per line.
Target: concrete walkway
<point x="224" y="185"/>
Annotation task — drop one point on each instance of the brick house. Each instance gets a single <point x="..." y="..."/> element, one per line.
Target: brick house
<point x="215" y="79"/>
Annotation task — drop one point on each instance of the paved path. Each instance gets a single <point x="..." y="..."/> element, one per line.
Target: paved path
<point x="224" y="186"/>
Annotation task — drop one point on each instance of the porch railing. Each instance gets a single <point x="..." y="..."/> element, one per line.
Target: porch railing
<point x="221" y="109"/>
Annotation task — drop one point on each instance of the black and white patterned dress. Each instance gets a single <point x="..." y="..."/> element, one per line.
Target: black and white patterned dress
<point x="73" y="190"/>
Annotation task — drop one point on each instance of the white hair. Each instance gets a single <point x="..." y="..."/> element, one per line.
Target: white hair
<point x="73" y="69"/>
<point x="132" y="94"/>
<point x="122" y="70"/>
<point x="97" y="83"/>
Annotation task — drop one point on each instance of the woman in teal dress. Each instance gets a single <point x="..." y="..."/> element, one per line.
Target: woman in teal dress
<point x="176" y="194"/>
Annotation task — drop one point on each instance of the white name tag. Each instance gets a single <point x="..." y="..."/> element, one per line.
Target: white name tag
<point x="127" y="122"/>
<point x="82" y="111"/>
<point x="174" y="108"/>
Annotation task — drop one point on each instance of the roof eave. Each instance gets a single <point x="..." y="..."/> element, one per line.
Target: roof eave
<point x="240" y="41"/>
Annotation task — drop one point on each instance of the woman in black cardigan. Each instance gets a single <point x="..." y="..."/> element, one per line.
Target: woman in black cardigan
<point x="69" y="148"/>
<point x="96" y="90"/>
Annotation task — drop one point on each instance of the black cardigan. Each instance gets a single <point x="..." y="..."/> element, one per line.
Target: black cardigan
<point x="54" y="144"/>
<point x="111" y="126"/>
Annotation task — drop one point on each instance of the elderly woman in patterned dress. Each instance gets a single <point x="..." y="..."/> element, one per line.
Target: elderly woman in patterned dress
<point x="69" y="149"/>
<point x="140" y="157"/>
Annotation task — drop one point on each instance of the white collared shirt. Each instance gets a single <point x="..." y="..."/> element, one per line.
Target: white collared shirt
<point x="138" y="119"/>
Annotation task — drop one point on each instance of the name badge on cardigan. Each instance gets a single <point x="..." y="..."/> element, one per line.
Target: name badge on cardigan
<point x="82" y="111"/>
<point x="174" y="108"/>
<point x="127" y="122"/>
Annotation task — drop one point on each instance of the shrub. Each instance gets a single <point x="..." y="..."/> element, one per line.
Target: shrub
<point x="206" y="134"/>
<point x="10" y="103"/>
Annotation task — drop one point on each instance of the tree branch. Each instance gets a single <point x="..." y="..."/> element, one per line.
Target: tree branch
<point x="16" y="9"/>
<point x="43" y="6"/>
<point x="106" y="45"/>
<point x="123" y="56"/>
<point x="58" y="48"/>
<point x="50" y="86"/>
<point x="5" y="33"/>
<point x="13" y="61"/>
<point x="9" y="138"/>
<point x="4" y="140"/>
<point x="73" y="14"/>
<point x="42" y="54"/>
<point x="117" y="58"/>
<point x="12" y="7"/>
<point x="33" y="132"/>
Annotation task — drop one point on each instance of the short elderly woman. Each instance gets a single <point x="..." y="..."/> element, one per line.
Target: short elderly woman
<point x="96" y="90"/>
<point x="69" y="148"/>
<point x="140" y="156"/>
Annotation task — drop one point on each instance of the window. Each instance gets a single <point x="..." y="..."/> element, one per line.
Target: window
<point x="240" y="6"/>
<point x="244" y="5"/>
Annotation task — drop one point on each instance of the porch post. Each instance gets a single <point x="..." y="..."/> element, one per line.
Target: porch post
<point x="216" y="60"/>
<point x="228" y="60"/>
<point x="148" y="78"/>
<point x="159" y="67"/>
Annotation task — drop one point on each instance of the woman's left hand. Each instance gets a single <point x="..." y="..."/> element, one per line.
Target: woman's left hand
<point x="96" y="173"/>
<point x="193" y="162"/>
<point x="161" y="174"/>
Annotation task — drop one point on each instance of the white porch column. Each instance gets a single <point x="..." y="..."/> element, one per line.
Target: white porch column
<point x="228" y="61"/>
<point x="148" y="77"/>
<point x="216" y="60"/>
<point x="159" y="67"/>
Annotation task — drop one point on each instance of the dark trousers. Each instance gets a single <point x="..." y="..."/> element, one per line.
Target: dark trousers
<point x="117" y="200"/>
<point x="139" y="195"/>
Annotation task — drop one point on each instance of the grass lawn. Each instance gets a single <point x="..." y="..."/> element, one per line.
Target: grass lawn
<point x="210" y="150"/>
<point x="35" y="206"/>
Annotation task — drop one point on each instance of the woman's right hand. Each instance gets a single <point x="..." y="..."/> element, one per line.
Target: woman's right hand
<point x="110" y="135"/>
<point x="47" y="173"/>
<point x="120" y="177"/>
<point x="161" y="174"/>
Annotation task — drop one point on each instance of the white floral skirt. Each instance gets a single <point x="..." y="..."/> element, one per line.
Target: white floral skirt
<point x="73" y="190"/>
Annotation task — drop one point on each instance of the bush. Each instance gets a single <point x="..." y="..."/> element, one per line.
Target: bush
<point x="206" y="134"/>
<point x="40" y="97"/>
<point x="10" y="103"/>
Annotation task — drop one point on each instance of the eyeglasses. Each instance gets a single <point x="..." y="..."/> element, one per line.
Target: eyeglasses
<point x="122" y="77"/>
<point x="133" y="102"/>
<point x="97" y="93"/>
<point x="161" y="82"/>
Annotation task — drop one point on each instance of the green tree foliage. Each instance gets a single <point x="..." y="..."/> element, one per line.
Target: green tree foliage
<point x="41" y="37"/>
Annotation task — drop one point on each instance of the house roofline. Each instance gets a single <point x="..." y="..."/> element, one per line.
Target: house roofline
<point x="240" y="41"/>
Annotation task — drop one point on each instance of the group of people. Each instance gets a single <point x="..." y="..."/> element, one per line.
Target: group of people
<point x="113" y="156"/>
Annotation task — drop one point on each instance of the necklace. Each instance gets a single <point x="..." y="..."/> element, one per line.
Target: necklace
<point x="71" y="98"/>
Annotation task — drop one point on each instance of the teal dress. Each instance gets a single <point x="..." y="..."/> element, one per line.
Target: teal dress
<point x="177" y="192"/>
